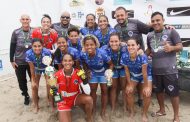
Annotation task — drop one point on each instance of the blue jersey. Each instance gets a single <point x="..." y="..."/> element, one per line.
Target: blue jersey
<point x="116" y="56"/>
<point x="135" y="67"/>
<point x="37" y="61"/>
<point x="104" y="39"/>
<point x="96" y="64"/>
<point x="84" y="31"/>
<point x="77" y="46"/>
<point x="59" y="55"/>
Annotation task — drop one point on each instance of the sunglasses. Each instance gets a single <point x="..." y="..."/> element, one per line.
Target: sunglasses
<point x="65" y="17"/>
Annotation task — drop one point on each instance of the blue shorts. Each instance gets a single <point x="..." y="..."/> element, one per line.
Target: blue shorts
<point x="98" y="79"/>
<point x="139" y="79"/>
<point x="118" y="73"/>
<point x="39" y="71"/>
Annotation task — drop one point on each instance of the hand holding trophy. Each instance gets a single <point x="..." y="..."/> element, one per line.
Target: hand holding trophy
<point x="108" y="74"/>
<point x="52" y="81"/>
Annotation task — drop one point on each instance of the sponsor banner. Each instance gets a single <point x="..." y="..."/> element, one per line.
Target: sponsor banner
<point x="185" y="42"/>
<point x="130" y="14"/>
<point x="122" y="2"/>
<point x="181" y="26"/>
<point x="75" y="3"/>
<point x="1" y="65"/>
<point x="99" y="11"/>
<point x="77" y="15"/>
<point x="178" y="11"/>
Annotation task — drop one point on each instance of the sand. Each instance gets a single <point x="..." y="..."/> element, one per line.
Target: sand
<point x="12" y="108"/>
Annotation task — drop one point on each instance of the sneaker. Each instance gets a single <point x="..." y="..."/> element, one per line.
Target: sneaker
<point x="26" y="100"/>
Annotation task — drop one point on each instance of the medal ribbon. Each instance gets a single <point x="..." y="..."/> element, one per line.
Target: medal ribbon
<point x="38" y="60"/>
<point x="118" y="57"/>
<point x="45" y="43"/>
<point x="103" y="36"/>
<point x="157" y="40"/>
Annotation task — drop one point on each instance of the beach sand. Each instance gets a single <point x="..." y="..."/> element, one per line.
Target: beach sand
<point x="12" y="108"/>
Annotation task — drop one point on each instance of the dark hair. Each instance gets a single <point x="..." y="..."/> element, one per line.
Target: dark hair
<point x="61" y="37"/>
<point x="136" y="40"/>
<point x="120" y="8"/>
<point x="95" y="24"/>
<point x="73" y="29"/>
<point x="156" y="13"/>
<point x="104" y="17"/>
<point x="89" y="37"/>
<point x="115" y="34"/>
<point x="46" y="16"/>
<point x="36" y="40"/>
<point x="69" y="55"/>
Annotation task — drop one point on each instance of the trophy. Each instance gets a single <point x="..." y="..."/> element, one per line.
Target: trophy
<point x="108" y="74"/>
<point x="52" y="81"/>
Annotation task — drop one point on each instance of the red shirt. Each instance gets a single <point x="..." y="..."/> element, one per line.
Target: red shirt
<point x="68" y="83"/>
<point x="48" y="39"/>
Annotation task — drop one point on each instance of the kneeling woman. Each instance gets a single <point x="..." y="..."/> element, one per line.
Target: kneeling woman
<point x="69" y="87"/>
<point x="96" y="60"/>
<point x="137" y="71"/>
<point x="34" y="58"/>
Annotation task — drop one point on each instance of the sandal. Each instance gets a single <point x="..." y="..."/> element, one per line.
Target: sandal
<point x="157" y="114"/>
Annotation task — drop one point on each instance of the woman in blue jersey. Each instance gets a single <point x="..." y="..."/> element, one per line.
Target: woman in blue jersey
<point x="34" y="58"/>
<point x="64" y="49"/>
<point x="137" y="72"/>
<point x="115" y="49"/>
<point x="103" y="34"/>
<point x="90" y="25"/>
<point x="96" y="60"/>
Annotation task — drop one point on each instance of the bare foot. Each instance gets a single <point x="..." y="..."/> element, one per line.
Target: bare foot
<point x="176" y="119"/>
<point x="144" y="118"/>
<point x="103" y="116"/>
<point x="90" y="119"/>
<point x="36" y="109"/>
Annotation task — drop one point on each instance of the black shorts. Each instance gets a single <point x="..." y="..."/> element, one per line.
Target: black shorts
<point x="167" y="83"/>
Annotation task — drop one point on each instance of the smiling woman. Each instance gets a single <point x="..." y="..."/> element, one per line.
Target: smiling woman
<point x="37" y="68"/>
<point x="62" y="50"/>
<point x="45" y="34"/>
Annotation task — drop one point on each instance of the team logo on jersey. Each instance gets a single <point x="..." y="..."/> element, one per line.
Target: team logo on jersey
<point x="178" y="11"/>
<point x="101" y="62"/>
<point x="164" y="37"/>
<point x="130" y="33"/>
<point x="76" y="81"/>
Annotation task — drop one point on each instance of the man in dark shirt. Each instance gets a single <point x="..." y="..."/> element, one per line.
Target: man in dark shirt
<point x="130" y="28"/>
<point x="20" y="43"/>
<point x="162" y="45"/>
<point x="64" y="24"/>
